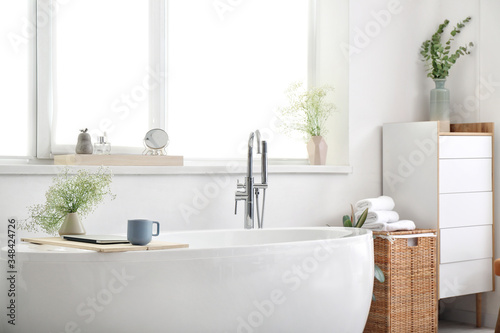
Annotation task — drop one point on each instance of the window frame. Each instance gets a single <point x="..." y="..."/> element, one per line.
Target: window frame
<point x="157" y="53"/>
<point x="32" y="87"/>
<point x="43" y="76"/>
<point x="45" y="73"/>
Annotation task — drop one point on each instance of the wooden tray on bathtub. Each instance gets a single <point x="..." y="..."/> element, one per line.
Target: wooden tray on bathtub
<point x="58" y="241"/>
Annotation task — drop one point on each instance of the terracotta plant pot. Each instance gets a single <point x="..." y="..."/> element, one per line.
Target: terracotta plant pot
<point x="317" y="149"/>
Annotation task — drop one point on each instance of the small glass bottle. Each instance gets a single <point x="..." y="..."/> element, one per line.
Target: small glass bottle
<point x="107" y="145"/>
<point x="101" y="147"/>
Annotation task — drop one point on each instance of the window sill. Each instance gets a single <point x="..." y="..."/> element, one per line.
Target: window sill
<point x="234" y="168"/>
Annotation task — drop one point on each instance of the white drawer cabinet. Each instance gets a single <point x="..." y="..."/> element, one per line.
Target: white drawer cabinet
<point x="465" y="175"/>
<point x="465" y="146"/>
<point x="466" y="243"/>
<point x="465" y="277"/>
<point x="465" y="209"/>
<point x="444" y="181"/>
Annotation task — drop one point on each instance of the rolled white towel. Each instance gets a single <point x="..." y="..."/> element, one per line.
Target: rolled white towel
<point x="379" y="216"/>
<point x="403" y="225"/>
<point x="374" y="204"/>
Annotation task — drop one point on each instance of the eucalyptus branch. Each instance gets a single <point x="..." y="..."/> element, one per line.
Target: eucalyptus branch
<point x="437" y="57"/>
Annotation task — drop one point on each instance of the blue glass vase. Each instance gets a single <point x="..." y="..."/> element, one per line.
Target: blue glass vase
<point x="440" y="105"/>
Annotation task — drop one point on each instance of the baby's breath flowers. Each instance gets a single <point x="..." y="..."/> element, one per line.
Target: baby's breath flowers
<point x="307" y="111"/>
<point x="79" y="193"/>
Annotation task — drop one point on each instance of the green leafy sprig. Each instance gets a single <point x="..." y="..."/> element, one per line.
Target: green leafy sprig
<point x="347" y="221"/>
<point x="307" y="111"/>
<point x="81" y="192"/>
<point x="439" y="58"/>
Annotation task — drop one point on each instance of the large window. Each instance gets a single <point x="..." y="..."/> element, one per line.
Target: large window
<point x="101" y="72"/>
<point x="209" y="72"/>
<point x="17" y="102"/>
<point x="228" y="67"/>
<point x="226" y="73"/>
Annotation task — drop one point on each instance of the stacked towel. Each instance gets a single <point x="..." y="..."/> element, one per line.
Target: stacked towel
<point x="391" y="226"/>
<point x="385" y="216"/>
<point x="381" y="216"/>
<point x="375" y="204"/>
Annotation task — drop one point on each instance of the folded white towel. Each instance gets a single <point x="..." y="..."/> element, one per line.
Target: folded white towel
<point x="374" y="204"/>
<point x="379" y="216"/>
<point x="391" y="226"/>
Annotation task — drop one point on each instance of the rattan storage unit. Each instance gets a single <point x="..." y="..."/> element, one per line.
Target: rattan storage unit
<point x="407" y="301"/>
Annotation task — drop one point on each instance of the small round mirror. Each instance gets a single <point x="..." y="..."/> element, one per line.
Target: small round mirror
<point x="156" y="140"/>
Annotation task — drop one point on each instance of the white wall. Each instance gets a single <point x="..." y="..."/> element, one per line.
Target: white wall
<point x="386" y="84"/>
<point x="192" y="201"/>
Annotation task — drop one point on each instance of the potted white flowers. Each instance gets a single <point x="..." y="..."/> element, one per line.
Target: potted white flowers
<point x="306" y="115"/>
<point x="69" y="198"/>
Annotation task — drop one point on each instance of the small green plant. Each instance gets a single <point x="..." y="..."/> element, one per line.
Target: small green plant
<point x="438" y="57"/>
<point x="81" y="192"/>
<point x="307" y="111"/>
<point x="347" y="222"/>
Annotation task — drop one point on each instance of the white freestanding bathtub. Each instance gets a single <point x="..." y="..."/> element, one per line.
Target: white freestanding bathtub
<point x="270" y="280"/>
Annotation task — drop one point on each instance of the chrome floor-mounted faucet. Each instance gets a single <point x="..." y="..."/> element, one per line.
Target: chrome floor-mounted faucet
<point x="250" y="189"/>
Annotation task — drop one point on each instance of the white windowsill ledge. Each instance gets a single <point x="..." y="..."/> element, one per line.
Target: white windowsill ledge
<point x="30" y="169"/>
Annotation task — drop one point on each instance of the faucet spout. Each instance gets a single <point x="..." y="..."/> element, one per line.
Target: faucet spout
<point x="259" y="141"/>
<point x="250" y="155"/>
<point x="250" y="140"/>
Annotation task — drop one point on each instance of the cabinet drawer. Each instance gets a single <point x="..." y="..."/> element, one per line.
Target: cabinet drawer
<point x="465" y="175"/>
<point x="465" y="209"/>
<point x="469" y="243"/>
<point x="465" y="146"/>
<point x="467" y="277"/>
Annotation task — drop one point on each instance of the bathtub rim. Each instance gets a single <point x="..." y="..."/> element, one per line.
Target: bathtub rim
<point x="27" y="252"/>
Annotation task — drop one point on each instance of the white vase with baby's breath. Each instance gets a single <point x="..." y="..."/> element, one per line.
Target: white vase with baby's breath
<point x="69" y="198"/>
<point x="306" y="115"/>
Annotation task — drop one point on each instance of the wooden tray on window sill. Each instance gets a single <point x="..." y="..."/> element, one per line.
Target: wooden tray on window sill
<point x="108" y="160"/>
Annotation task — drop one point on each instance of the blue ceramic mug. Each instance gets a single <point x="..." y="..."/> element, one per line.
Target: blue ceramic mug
<point x="140" y="231"/>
